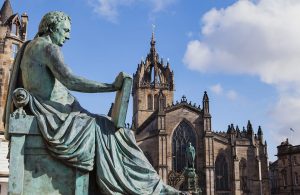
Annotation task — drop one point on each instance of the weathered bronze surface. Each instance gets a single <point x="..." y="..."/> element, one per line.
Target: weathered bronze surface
<point x="55" y="143"/>
<point x="190" y="156"/>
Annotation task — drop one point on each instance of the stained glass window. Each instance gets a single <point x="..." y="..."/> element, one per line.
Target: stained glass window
<point x="182" y="135"/>
<point x="221" y="171"/>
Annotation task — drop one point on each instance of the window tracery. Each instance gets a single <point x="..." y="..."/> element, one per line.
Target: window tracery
<point x="182" y="135"/>
<point x="221" y="173"/>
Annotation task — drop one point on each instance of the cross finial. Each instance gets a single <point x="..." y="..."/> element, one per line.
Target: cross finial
<point x="152" y="43"/>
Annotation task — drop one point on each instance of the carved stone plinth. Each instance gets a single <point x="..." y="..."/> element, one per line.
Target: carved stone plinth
<point x="191" y="182"/>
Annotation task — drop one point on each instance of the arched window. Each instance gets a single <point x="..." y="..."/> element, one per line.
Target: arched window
<point x="243" y="175"/>
<point x="284" y="178"/>
<point x="150" y="102"/>
<point x="14" y="50"/>
<point x="221" y="173"/>
<point x="182" y="135"/>
<point x="14" y="29"/>
<point x="296" y="179"/>
<point x="152" y="74"/>
<point x="155" y="102"/>
<point x="162" y="102"/>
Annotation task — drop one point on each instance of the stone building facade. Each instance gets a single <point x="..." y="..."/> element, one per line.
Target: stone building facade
<point x="13" y="33"/>
<point x="234" y="162"/>
<point x="285" y="171"/>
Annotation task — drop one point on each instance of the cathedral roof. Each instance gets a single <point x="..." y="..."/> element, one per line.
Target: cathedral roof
<point x="184" y="103"/>
<point x="6" y="11"/>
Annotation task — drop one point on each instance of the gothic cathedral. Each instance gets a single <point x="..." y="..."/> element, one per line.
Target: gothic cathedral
<point x="234" y="162"/>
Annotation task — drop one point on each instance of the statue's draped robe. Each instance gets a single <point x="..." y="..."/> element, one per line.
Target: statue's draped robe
<point x="87" y="141"/>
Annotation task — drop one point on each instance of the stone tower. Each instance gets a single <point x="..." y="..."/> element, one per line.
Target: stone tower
<point x="232" y="162"/>
<point x="13" y="33"/>
<point x="153" y="86"/>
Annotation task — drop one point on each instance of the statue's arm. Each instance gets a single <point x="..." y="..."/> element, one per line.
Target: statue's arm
<point x="63" y="73"/>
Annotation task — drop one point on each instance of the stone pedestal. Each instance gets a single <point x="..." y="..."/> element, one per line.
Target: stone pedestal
<point x="191" y="182"/>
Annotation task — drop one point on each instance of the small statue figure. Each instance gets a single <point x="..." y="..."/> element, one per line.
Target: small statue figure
<point x="190" y="156"/>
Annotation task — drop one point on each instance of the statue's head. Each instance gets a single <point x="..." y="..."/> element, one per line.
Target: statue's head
<point x="56" y="25"/>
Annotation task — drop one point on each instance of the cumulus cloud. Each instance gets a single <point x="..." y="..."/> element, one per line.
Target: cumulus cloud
<point x="256" y="38"/>
<point x="218" y="90"/>
<point x="159" y="5"/>
<point x="109" y="9"/>
<point x="231" y="94"/>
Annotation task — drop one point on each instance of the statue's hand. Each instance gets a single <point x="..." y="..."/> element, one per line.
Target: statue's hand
<point x="119" y="80"/>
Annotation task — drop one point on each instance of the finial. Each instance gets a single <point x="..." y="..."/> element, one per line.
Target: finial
<point x="153" y="28"/>
<point x="228" y="129"/>
<point x="152" y="38"/>
<point x="152" y="43"/>
<point x="259" y="131"/>
<point x="205" y="96"/>
<point x="183" y="99"/>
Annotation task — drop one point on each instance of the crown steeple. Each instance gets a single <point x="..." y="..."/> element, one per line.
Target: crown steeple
<point x="153" y="81"/>
<point x="152" y="72"/>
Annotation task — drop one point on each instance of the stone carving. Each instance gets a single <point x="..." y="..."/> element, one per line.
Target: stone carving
<point x="175" y="179"/>
<point x="78" y="138"/>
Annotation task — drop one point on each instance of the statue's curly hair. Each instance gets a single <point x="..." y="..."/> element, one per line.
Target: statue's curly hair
<point x="50" y="22"/>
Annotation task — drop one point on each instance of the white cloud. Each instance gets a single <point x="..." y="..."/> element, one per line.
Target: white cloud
<point x="255" y="38"/>
<point x="217" y="89"/>
<point x="232" y="95"/>
<point x="109" y="9"/>
<point x="159" y="5"/>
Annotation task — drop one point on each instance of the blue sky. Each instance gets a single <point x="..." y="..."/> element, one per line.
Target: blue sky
<point x="244" y="53"/>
